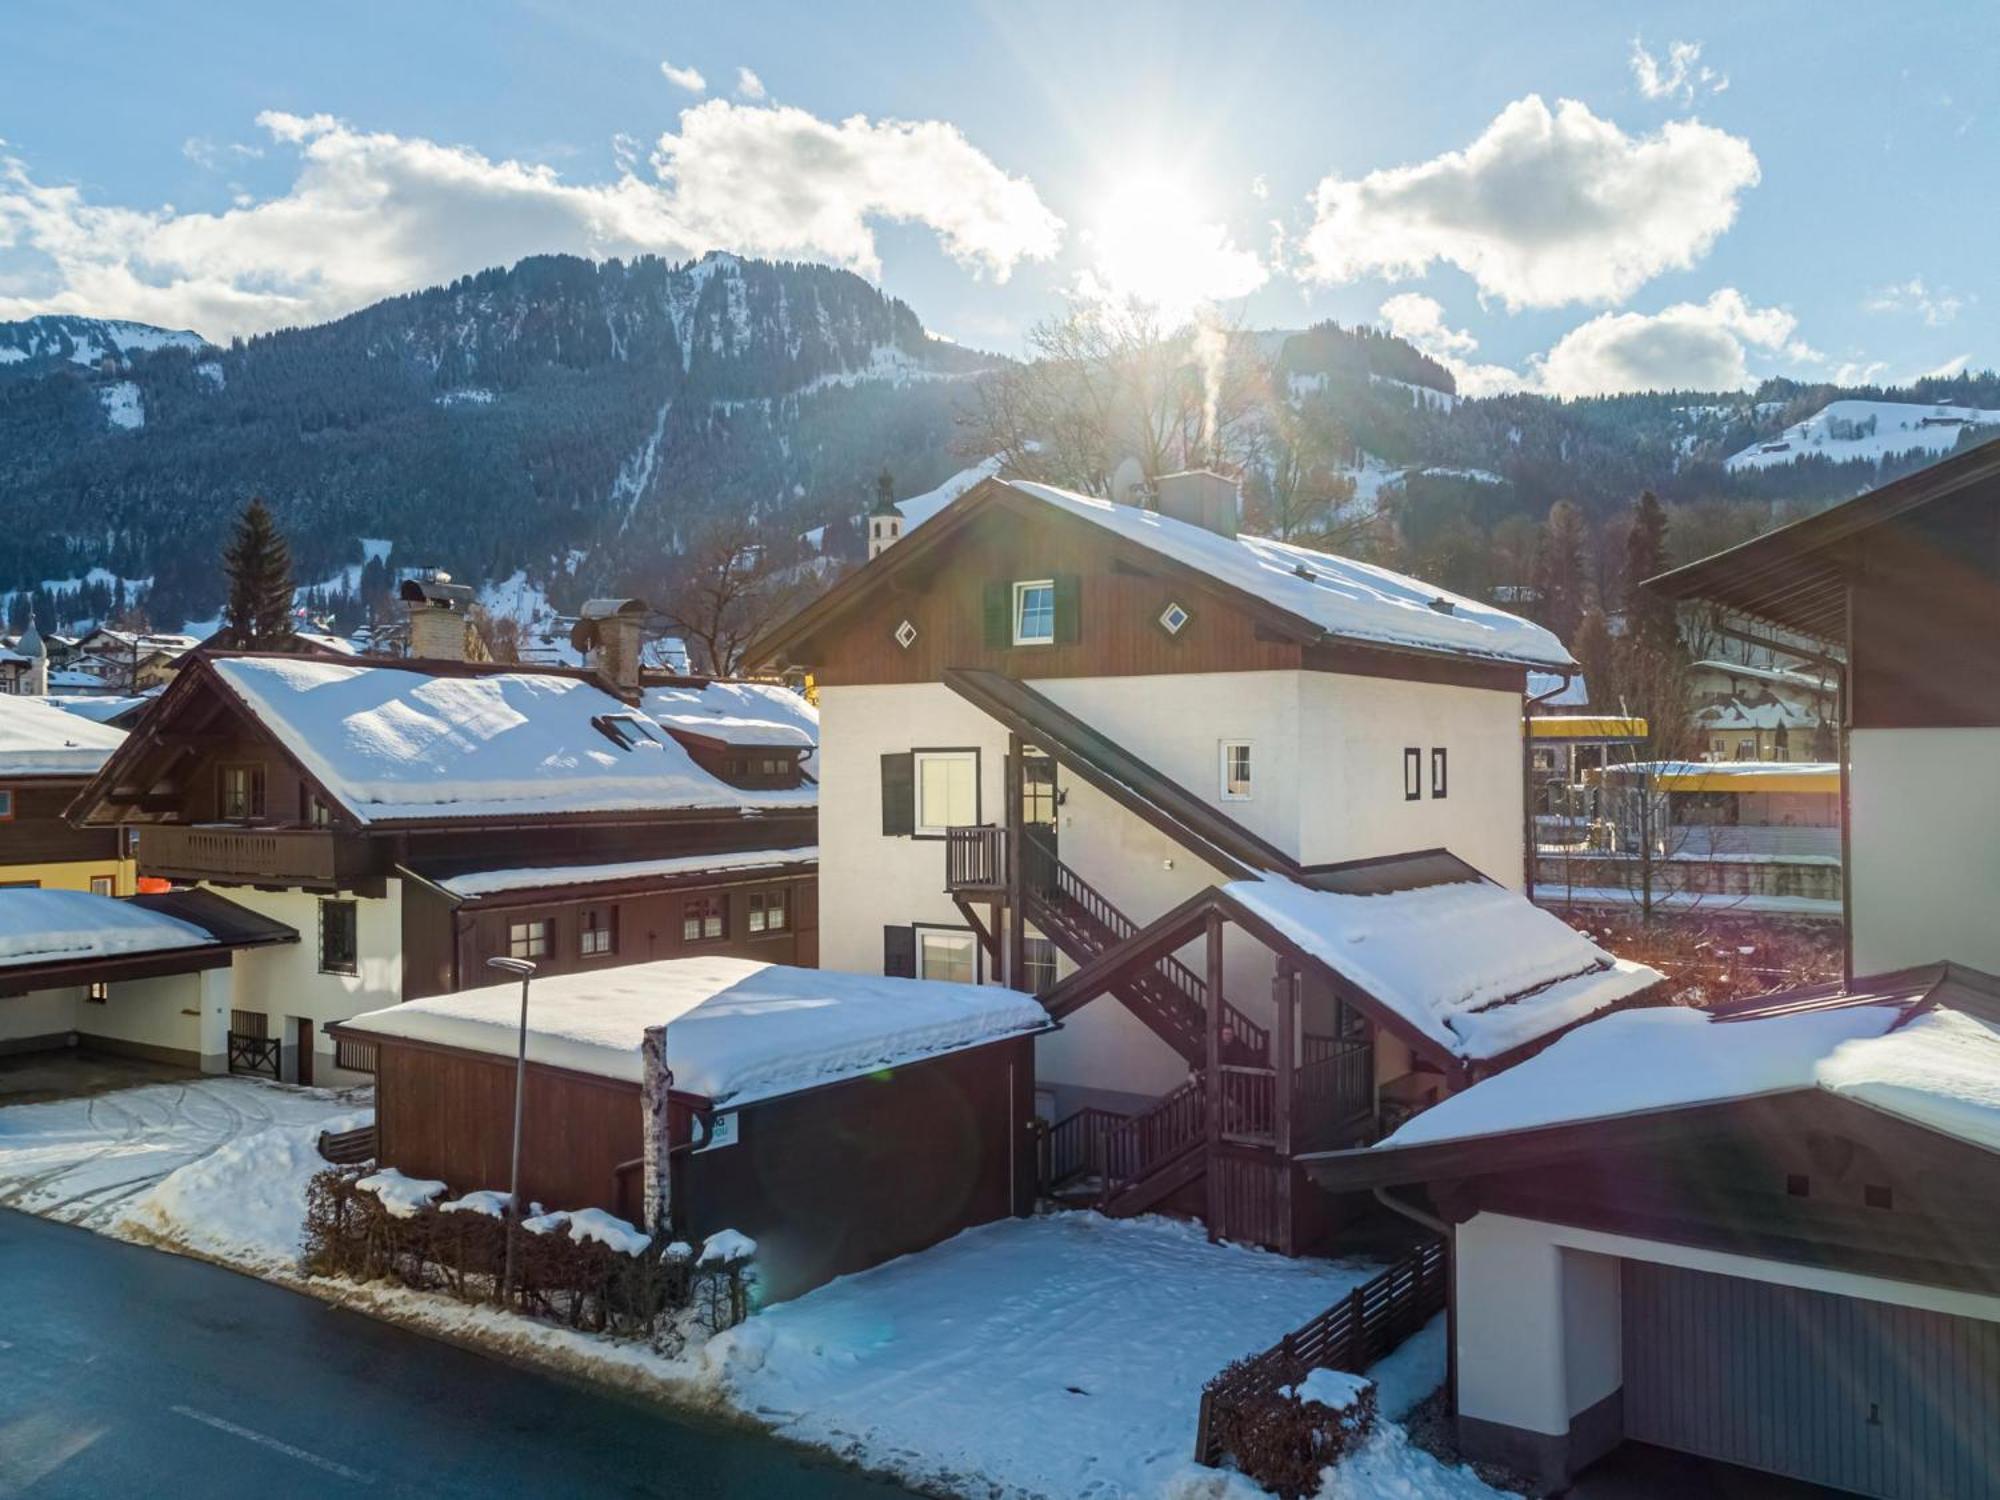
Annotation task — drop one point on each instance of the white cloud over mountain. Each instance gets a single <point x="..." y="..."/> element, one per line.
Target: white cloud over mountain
<point x="1546" y="207"/>
<point x="371" y="214"/>
<point x="1678" y="74"/>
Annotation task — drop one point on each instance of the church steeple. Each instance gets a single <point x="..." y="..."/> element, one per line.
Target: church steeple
<point x="885" y="522"/>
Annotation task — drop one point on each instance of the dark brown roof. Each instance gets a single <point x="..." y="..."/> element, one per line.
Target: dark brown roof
<point x="231" y="925"/>
<point x="1796" y="577"/>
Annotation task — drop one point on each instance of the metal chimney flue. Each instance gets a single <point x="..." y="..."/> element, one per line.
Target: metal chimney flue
<point x="1199" y="497"/>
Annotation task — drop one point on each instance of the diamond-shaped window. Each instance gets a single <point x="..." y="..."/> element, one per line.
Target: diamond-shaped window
<point x="906" y="635"/>
<point x="1173" y="619"/>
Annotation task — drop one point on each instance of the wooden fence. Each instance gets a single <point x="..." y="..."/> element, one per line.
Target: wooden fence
<point x="1351" y="1335"/>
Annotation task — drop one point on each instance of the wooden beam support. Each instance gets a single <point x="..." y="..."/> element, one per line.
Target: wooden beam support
<point x="988" y="940"/>
<point x="1285" y="1012"/>
<point x="1212" y="1075"/>
<point x="1017" y="938"/>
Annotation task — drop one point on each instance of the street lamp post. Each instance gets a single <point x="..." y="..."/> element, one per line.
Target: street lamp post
<point x="526" y="970"/>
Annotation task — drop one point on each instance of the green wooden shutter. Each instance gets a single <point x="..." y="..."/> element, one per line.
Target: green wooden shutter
<point x="899" y="952"/>
<point x="999" y="616"/>
<point x="899" y="794"/>
<point x="1069" y="613"/>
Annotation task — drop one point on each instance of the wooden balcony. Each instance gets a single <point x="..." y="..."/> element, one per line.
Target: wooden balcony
<point x="231" y="855"/>
<point x="975" y="860"/>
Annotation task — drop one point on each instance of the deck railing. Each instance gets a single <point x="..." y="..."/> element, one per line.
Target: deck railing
<point x="975" y="859"/>
<point x="1335" y="1085"/>
<point x="1350" y="1336"/>
<point x="308" y="856"/>
<point x="1133" y="1149"/>
<point x="1073" y="1146"/>
<point x="1249" y="1101"/>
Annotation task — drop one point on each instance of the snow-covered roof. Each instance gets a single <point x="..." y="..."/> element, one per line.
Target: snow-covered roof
<point x="744" y="713"/>
<point x="1354" y="600"/>
<point x="1782" y="676"/>
<point x="737" y="1031"/>
<point x="1576" y="694"/>
<point x="393" y="744"/>
<point x="1737" y="714"/>
<point x="39" y="926"/>
<point x="38" y="739"/>
<point x="538" y="877"/>
<point x="1939" y="1068"/>
<point x="339" y="645"/>
<point x="766" y="734"/>
<point x="97" y="707"/>
<point x="1478" y="969"/>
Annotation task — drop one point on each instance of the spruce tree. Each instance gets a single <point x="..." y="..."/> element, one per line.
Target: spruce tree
<point x="258" y="614"/>
<point x="1649" y="618"/>
<point x="1559" y="570"/>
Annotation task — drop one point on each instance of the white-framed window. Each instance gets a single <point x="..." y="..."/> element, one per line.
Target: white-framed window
<point x="1413" y="773"/>
<point x="947" y="790"/>
<point x="705" y="919"/>
<point x="947" y="953"/>
<point x="597" y="931"/>
<point x="1438" y="778"/>
<point x="1035" y="612"/>
<point x="767" y="911"/>
<point x="1235" y="770"/>
<point x="6" y="804"/>
<point x="528" y="939"/>
<point x="104" y="885"/>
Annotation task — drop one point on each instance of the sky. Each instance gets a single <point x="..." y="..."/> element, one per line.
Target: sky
<point x="1568" y="199"/>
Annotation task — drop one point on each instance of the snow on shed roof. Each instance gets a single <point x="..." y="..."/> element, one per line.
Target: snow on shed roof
<point x="49" y="926"/>
<point x="1345" y="598"/>
<point x="38" y="739"/>
<point x="538" y="877"/>
<point x="1939" y="1069"/>
<point x="737" y="1031"/>
<point x="395" y="745"/>
<point x="1477" y="968"/>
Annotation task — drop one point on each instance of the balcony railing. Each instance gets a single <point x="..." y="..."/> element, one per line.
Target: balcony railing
<point x="288" y="856"/>
<point x="975" y="859"/>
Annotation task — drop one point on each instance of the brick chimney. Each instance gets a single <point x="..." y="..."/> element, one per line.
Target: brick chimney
<point x="609" y="633"/>
<point x="436" y="608"/>
<point x="1201" y="498"/>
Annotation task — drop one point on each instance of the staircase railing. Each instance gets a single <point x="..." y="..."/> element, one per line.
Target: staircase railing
<point x="1072" y="1146"/>
<point x="1249" y="1103"/>
<point x="1134" y="1148"/>
<point x="1335" y="1084"/>
<point x="1064" y="884"/>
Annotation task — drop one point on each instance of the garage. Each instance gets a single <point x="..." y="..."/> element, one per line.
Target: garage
<point x="1864" y="1396"/>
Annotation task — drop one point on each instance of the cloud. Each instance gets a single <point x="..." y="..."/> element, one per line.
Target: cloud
<point x="1688" y="346"/>
<point x="213" y="155"/>
<point x="748" y="84"/>
<point x="1544" y="208"/>
<point x="684" y="78"/>
<point x="1680" y="75"/>
<point x="1936" y="306"/>
<point x="369" y="215"/>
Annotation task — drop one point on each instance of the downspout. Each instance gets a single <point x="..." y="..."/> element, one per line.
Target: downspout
<point x="1528" y="707"/>
<point x="1449" y="1234"/>
<point x="1845" y="673"/>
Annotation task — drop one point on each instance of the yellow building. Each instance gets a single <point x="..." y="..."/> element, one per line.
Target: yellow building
<point x="46" y="756"/>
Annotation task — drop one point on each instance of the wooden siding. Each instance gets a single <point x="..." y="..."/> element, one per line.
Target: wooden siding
<point x="1866" y="1396"/>
<point x="1925" y="632"/>
<point x="1122" y="593"/>
<point x="827" y="1182"/>
<point x="37" y="834"/>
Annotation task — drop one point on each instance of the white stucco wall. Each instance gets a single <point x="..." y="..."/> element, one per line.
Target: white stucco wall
<point x="38" y="1015"/>
<point x="165" y="1012"/>
<point x="1925" y="864"/>
<point x="1354" y="731"/>
<point x="284" y="980"/>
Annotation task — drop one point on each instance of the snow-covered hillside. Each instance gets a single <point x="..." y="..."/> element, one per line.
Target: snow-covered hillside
<point x="1843" y="431"/>
<point x="87" y="341"/>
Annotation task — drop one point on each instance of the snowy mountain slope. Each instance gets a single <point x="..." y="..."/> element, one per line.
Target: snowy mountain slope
<point x="1843" y="431"/>
<point x="87" y="342"/>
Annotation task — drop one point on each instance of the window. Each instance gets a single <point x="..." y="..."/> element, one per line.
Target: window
<point x="598" y="934"/>
<point x="103" y="885"/>
<point x="704" y="919"/>
<point x="1035" y="613"/>
<point x="528" y="939"/>
<point x="6" y="804"/>
<point x="317" y="813"/>
<point x="906" y="635"/>
<point x="1038" y="957"/>
<point x="627" y="731"/>
<point x="1235" y="770"/>
<point x="241" y="793"/>
<point x="1413" y="772"/>
<point x="947" y="953"/>
<point x="1174" y="619"/>
<point x="947" y="790"/>
<point x="1437" y="773"/>
<point x="767" y="911"/>
<point x="339" y="937"/>
<point x="99" y="992"/>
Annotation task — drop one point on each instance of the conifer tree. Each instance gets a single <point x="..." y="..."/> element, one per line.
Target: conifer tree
<point x="1559" y="570"/>
<point x="258" y="613"/>
<point x="1649" y="618"/>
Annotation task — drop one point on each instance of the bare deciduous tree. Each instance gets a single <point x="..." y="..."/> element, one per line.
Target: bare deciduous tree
<point x="731" y="585"/>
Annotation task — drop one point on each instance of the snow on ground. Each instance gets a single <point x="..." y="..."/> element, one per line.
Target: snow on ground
<point x="1843" y="431"/>
<point x="83" y="1161"/>
<point x="1059" y="1356"/>
<point x="123" y="404"/>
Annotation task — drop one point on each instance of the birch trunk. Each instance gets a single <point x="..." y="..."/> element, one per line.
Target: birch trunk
<point x="656" y="1085"/>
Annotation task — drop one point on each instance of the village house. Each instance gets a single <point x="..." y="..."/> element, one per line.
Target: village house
<point x="1213" y="797"/>
<point x="412" y="819"/>
<point x="47" y="756"/>
<point x="1768" y="1235"/>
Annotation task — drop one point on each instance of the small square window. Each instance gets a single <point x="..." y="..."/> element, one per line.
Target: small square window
<point x="948" y="954"/>
<point x="1413" y="774"/>
<point x="597" y="933"/>
<point x="99" y="992"/>
<point x="339" y="937"/>
<point x="6" y="804"/>
<point x="1035" y="613"/>
<point x="704" y="919"/>
<point x="1236" y="770"/>
<point x="1437" y="773"/>
<point x="1174" y="619"/>
<point x="767" y="911"/>
<point x="528" y="939"/>
<point x="103" y="885"/>
<point x="906" y="635"/>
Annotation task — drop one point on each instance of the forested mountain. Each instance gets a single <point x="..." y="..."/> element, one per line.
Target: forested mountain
<point x="564" y="421"/>
<point x="566" y="427"/>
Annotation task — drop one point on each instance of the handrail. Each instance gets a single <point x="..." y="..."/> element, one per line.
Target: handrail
<point x="1072" y="1141"/>
<point x="1140" y="1144"/>
<point x="975" y="858"/>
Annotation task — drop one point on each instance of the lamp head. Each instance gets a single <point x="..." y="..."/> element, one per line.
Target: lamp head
<point x="521" y="968"/>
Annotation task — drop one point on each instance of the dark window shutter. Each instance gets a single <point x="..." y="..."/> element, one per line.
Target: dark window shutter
<point x="899" y="794"/>
<point x="1069" y="615"/>
<point x="899" y="952"/>
<point x="999" y="616"/>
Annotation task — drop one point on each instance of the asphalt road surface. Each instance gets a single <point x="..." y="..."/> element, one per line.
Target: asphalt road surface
<point x="126" y="1371"/>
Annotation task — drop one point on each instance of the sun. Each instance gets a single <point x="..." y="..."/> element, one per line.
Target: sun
<point x="1155" y="238"/>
